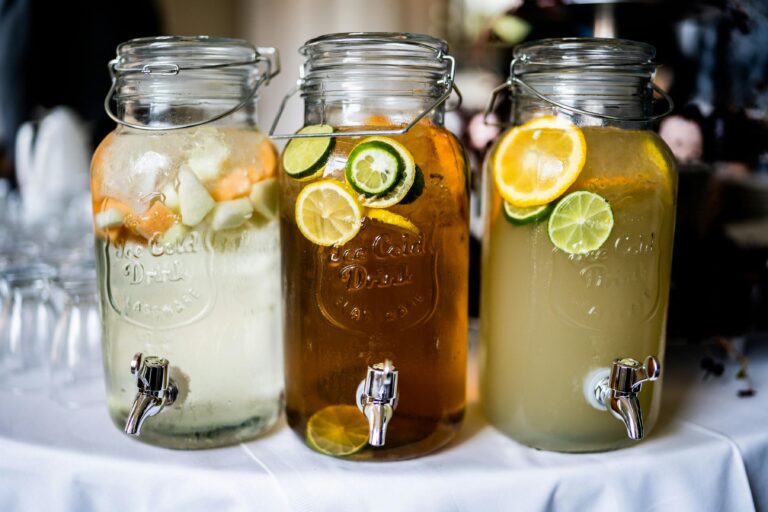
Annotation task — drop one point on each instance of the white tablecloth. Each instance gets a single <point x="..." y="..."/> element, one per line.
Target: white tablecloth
<point x="709" y="452"/>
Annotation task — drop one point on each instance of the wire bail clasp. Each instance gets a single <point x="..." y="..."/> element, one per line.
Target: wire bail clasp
<point x="448" y="81"/>
<point x="514" y="80"/>
<point x="268" y="56"/>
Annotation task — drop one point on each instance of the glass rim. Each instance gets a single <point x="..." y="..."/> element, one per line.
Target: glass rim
<point x="372" y="38"/>
<point x="215" y="51"/>
<point x="585" y="51"/>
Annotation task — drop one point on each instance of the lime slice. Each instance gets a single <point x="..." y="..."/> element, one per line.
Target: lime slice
<point x="303" y="158"/>
<point x="373" y="167"/>
<point x="525" y="214"/>
<point x="403" y="185"/>
<point x="337" y="430"/>
<point x="393" y="219"/>
<point x="327" y="213"/>
<point x="581" y="222"/>
<point x="416" y="189"/>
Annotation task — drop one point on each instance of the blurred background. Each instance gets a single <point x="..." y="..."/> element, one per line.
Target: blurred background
<point x="714" y="63"/>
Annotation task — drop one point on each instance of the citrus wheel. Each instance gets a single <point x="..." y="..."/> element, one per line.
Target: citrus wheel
<point x="581" y="222"/>
<point x="337" y="430"/>
<point x="535" y="163"/>
<point x="327" y="213"/>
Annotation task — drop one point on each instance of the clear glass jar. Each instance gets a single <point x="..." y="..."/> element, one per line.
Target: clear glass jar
<point x="184" y="201"/>
<point x="555" y="317"/>
<point x="396" y="289"/>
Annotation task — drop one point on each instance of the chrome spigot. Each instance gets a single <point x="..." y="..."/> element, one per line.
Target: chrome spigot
<point x="618" y="391"/>
<point x="156" y="390"/>
<point x="377" y="398"/>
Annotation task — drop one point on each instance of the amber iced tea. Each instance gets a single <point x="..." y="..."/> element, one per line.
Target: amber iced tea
<point x="392" y="292"/>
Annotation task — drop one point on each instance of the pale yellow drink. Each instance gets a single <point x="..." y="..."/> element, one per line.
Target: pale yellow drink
<point x="550" y="319"/>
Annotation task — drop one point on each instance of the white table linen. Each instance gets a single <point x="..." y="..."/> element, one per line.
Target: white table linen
<point x="708" y="452"/>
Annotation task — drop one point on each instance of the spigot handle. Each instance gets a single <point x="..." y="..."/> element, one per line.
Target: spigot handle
<point x="628" y="375"/>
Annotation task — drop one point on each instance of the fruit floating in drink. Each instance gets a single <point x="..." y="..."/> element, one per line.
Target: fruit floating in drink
<point x="187" y="243"/>
<point x="375" y="243"/>
<point x="576" y="272"/>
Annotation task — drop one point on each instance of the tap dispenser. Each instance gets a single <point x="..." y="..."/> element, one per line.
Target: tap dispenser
<point x="156" y="390"/>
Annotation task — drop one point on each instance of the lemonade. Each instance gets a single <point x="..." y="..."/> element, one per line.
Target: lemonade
<point x="551" y="317"/>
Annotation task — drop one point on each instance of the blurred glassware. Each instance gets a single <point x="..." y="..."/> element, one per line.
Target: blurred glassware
<point x="76" y="363"/>
<point x="27" y="321"/>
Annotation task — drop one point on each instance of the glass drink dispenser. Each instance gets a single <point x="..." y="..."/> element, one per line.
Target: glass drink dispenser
<point x="187" y="238"/>
<point x="580" y="199"/>
<point x="374" y="230"/>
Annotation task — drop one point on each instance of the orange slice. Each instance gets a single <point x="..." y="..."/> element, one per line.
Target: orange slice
<point x="535" y="163"/>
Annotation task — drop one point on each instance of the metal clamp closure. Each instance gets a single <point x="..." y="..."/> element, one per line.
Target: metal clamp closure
<point x="515" y="80"/>
<point x="269" y="56"/>
<point x="448" y="81"/>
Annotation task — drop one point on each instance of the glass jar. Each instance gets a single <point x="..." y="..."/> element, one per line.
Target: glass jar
<point x="375" y="283"/>
<point x="576" y="278"/>
<point x="184" y="201"/>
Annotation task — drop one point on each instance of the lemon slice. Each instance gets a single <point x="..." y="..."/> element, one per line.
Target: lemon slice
<point x="327" y="214"/>
<point x="535" y="163"/>
<point x="392" y="219"/>
<point x="337" y="430"/>
<point x="581" y="222"/>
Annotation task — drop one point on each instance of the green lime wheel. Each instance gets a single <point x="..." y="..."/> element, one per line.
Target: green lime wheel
<point x="581" y="222"/>
<point x="374" y="167"/>
<point x="525" y="214"/>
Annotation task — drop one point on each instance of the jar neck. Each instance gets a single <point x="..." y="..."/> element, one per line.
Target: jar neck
<point x="385" y="111"/>
<point x="595" y="82"/>
<point x="360" y="79"/>
<point x="175" y="81"/>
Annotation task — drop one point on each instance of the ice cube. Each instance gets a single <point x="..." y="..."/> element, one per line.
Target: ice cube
<point x="208" y="154"/>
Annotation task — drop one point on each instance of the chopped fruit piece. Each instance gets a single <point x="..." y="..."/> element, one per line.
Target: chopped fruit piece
<point x="304" y="158"/>
<point x="268" y="157"/>
<point x="171" y="197"/>
<point x="110" y="218"/>
<point x="392" y="219"/>
<point x="194" y="200"/>
<point x="233" y="185"/>
<point x="327" y="213"/>
<point x="263" y="197"/>
<point x="231" y="214"/>
<point x="155" y="221"/>
<point x="175" y="234"/>
<point x="535" y="163"/>
<point x="338" y="430"/>
<point x="209" y="154"/>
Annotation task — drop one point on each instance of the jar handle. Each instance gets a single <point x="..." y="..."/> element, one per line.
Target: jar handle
<point x="449" y="80"/>
<point x="516" y="80"/>
<point x="269" y="56"/>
